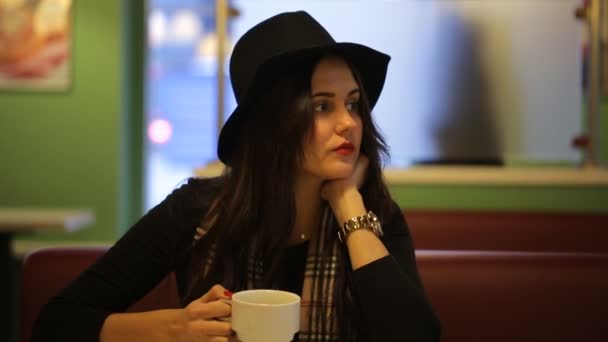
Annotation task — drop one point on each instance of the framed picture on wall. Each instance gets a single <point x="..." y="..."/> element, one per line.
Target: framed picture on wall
<point x="35" y="45"/>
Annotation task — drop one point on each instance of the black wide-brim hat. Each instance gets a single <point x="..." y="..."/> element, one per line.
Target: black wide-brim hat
<point x="282" y="41"/>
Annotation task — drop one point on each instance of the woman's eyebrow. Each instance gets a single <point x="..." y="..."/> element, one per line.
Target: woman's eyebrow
<point x="324" y="94"/>
<point x="328" y="94"/>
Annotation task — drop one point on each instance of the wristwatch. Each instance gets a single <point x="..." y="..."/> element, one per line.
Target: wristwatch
<point x="368" y="221"/>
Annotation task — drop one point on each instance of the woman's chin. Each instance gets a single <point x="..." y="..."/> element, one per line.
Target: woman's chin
<point x="340" y="171"/>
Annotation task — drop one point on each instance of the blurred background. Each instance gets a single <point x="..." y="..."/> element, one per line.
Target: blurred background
<point x="486" y="107"/>
<point x="495" y="82"/>
<point x="470" y="82"/>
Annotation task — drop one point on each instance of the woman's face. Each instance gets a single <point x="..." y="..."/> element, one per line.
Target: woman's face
<point x="331" y="148"/>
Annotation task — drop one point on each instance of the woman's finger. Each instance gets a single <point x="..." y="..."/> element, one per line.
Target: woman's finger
<point x="210" y="310"/>
<point x="215" y="293"/>
<point x="211" y="327"/>
<point x="223" y="339"/>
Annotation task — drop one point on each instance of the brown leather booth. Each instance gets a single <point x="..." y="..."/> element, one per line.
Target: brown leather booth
<point x="46" y="271"/>
<point x="508" y="230"/>
<point x="478" y="296"/>
<point x="517" y="296"/>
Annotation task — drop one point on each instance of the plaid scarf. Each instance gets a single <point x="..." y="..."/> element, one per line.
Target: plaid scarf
<point x="318" y="311"/>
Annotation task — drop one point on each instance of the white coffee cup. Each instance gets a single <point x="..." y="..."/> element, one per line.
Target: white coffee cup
<point x="265" y="315"/>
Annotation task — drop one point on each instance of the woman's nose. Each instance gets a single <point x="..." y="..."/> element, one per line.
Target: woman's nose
<point x="345" y="120"/>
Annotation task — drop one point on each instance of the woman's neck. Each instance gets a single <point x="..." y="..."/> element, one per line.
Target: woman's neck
<point x="308" y="209"/>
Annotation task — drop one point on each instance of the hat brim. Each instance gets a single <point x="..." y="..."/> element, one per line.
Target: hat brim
<point x="372" y="66"/>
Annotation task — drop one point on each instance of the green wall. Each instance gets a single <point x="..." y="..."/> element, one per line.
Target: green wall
<point x="563" y="199"/>
<point x="61" y="149"/>
<point x="82" y="148"/>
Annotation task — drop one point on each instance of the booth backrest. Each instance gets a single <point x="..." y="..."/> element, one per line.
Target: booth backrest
<point x="47" y="271"/>
<point x="517" y="296"/>
<point x="478" y="296"/>
<point x="509" y="231"/>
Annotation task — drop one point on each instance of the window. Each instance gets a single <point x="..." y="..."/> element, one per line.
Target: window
<point x="469" y="81"/>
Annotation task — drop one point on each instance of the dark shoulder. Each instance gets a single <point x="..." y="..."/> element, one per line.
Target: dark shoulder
<point x="194" y="194"/>
<point x="202" y="185"/>
<point x="187" y="205"/>
<point x="199" y="186"/>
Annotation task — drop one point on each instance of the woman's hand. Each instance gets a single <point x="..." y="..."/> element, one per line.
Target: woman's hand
<point x="343" y="194"/>
<point x="333" y="189"/>
<point x="199" y="321"/>
<point x="346" y="202"/>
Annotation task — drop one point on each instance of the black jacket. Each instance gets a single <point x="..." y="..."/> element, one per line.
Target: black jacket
<point x="388" y="290"/>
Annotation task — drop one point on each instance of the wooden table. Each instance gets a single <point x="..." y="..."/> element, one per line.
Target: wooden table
<point x="26" y="220"/>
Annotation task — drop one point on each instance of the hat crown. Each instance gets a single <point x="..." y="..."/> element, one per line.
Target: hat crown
<point x="275" y="36"/>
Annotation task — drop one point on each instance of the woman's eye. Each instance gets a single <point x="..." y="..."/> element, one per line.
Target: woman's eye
<point x="320" y="107"/>
<point x="353" y="106"/>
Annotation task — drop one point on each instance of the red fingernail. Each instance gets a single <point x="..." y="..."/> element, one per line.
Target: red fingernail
<point x="228" y="294"/>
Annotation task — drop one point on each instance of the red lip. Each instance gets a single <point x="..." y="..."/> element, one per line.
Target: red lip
<point x="345" y="149"/>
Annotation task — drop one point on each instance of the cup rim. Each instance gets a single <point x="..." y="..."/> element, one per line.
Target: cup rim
<point x="295" y="298"/>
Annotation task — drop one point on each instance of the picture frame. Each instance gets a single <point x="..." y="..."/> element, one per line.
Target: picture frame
<point x="35" y="45"/>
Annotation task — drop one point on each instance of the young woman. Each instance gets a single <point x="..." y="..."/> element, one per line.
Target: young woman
<point x="301" y="206"/>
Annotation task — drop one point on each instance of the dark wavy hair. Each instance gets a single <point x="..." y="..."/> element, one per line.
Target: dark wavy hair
<point x="254" y="211"/>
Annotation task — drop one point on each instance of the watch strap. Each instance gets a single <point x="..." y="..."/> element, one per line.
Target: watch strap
<point x="367" y="221"/>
